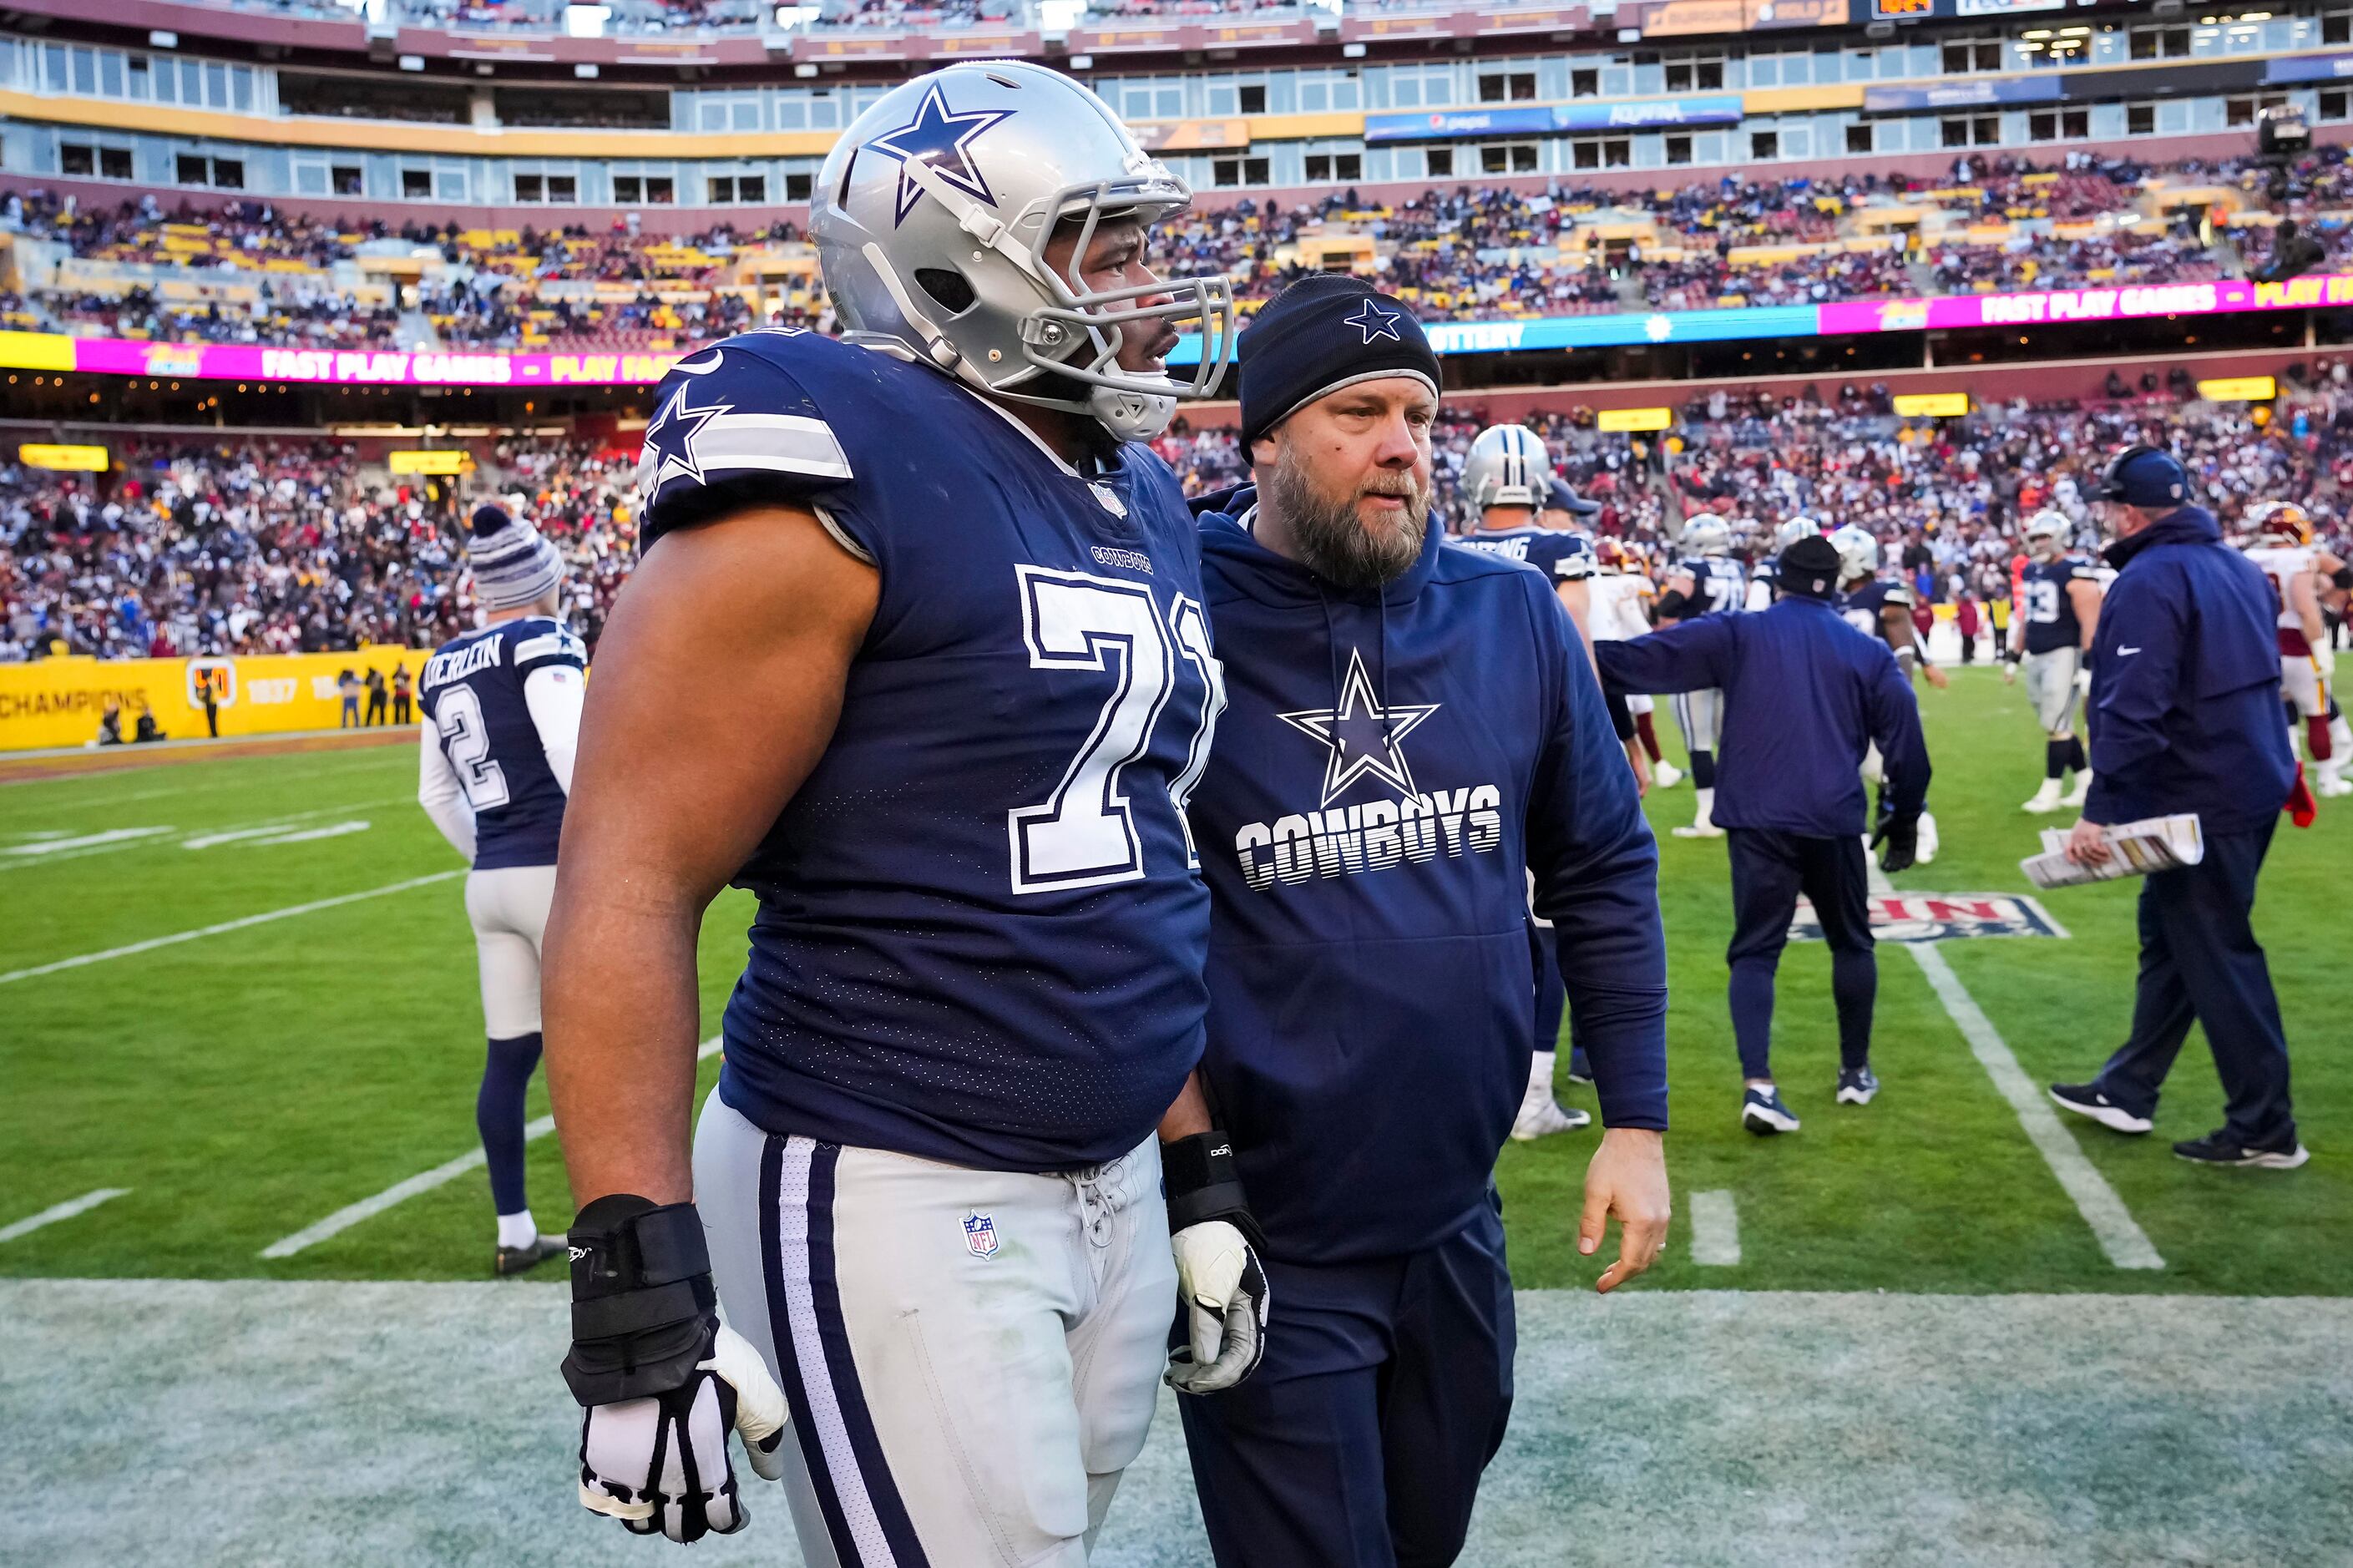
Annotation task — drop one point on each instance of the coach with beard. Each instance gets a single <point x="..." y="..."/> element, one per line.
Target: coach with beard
<point x="1412" y="731"/>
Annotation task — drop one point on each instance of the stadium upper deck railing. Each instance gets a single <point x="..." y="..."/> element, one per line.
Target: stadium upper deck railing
<point x="55" y="353"/>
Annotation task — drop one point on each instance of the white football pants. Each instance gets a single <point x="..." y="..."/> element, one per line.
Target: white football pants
<point x="2051" y="689"/>
<point x="971" y="1356"/>
<point x="1700" y="715"/>
<point x="508" y="908"/>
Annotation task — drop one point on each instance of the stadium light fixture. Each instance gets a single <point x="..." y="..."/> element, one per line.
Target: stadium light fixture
<point x="806" y="70"/>
<point x="586" y="21"/>
<point x="162" y="38"/>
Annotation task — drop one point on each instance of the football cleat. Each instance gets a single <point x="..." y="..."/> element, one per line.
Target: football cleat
<point x="1762" y="1112"/>
<point x="1545" y="1119"/>
<point x="2222" y="1149"/>
<point x="513" y="1260"/>
<point x="1856" y="1086"/>
<point x="2045" y="798"/>
<point x="2086" y="1100"/>
<point x="1665" y="775"/>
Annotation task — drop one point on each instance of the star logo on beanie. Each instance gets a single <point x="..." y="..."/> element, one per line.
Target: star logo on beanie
<point x="1373" y="322"/>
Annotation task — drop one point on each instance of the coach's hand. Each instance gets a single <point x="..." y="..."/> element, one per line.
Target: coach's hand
<point x="2088" y="844"/>
<point x="1627" y="1177"/>
<point x="663" y="1382"/>
<point x="1222" y="1289"/>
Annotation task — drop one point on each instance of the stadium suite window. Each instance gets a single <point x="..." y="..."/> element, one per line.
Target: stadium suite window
<point x="2059" y="125"/>
<point x="2337" y="27"/>
<point x="1678" y="148"/>
<point x="1241" y="172"/>
<point x="2159" y="43"/>
<point x="1335" y="168"/>
<point x="1250" y="98"/>
<point x="1971" y="130"/>
<point x="1585" y="83"/>
<point x="1597" y="153"/>
<point x="726" y="189"/>
<point x="1508" y="158"/>
<point x="1438" y="163"/>
<point x="2243" y="111"/>
<point x="653" y="190"/>
<point x="1695" y="75"/>
<point x="1963" y="54"/>
<point x="798" y="187"/>
<point x="1508" y="86"/>
<point x="2140" y="120"/>
<point x="1861" y="138"/>
<point x="2335" y="103"/>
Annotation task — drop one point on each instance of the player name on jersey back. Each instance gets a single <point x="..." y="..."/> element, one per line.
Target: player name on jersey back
<point x="981" y="930"/>
<point x="474" y="693"/>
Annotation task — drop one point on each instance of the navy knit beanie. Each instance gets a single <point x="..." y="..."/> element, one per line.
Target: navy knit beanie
<point x="1326" y="331"/>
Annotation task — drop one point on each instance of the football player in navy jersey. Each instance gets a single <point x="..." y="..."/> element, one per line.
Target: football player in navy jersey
<point x="2050" y="634"/>
<point x="1507" y="474"/>
<point x="501" y="719"/>
<point x="1764" y="580"/>
<point x="916" y="651"/>
<point x="1706" y="581"/>
<point x="1882" y="607"/>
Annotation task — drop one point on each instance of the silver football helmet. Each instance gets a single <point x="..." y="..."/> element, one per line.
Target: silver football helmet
<point x="1794" y="528"/>
<point x="1705" y="533"/>
<point x="1507" y="466"/>
<point x="932" y="217"/>
<point x="2046" y="534"/>
<point x="1858" y="551"/>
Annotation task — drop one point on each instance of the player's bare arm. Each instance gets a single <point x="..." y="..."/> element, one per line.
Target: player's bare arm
<point x="2085" y="596"/>
<point x="718" y="683"/>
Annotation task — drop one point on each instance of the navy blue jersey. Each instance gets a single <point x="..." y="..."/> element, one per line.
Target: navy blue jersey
<point x="981" y="926"/>
<point x="1719" y="583"/>
<point x="2049" y="608"/>
<point x="1390" y="769"/>
<point x="1767" y="572"/>
<point x="1562" y="556"/>
<point x="1864" y="606"/>
<point x="472" y="695"/>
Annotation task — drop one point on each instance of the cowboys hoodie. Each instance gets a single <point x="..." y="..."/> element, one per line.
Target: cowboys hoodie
<point x="1391" y="771"/>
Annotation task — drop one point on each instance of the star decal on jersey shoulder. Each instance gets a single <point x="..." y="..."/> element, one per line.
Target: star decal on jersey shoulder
<point x="1372" y="320"/>
<point x="941" y="139"/>
<point x="1364" y="737"/>
<point x="669" y="440"/>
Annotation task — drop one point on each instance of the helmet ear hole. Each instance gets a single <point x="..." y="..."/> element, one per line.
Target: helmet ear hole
<point x="950" y="289"/>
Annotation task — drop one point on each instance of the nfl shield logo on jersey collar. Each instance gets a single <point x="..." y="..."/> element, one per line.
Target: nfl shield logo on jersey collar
<point x="980" y="1234"/>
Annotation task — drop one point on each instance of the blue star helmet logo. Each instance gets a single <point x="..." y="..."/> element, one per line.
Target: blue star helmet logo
<point x="941" y="139"/>
<point x="1374" y="322"/>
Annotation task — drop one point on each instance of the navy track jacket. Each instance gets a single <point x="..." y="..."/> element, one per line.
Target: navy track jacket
<point x="1804" y="695"/>
<point x="2186" y="683"/>
<point x="1389" y="769"/>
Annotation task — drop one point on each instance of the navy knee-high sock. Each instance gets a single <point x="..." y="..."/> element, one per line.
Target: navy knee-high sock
<point x="498" y="1116"/>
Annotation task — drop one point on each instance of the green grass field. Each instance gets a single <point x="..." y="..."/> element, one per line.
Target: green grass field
<point x="245" y="1084"/>
<point x="1924" y="1356"/>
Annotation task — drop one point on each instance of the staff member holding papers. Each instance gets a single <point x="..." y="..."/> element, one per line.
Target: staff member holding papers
<point x="2184" y="706"/>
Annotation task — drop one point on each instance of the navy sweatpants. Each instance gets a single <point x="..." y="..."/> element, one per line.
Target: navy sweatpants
<point x="1359" y="1441"/>
<point x="1551" y="992"/>
<point x="2200" y="959"/>
<point x="1769" y="869"/>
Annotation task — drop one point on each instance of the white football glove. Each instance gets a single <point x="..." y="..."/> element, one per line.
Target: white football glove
<point x="1225" y="1299"/>
<point x="2324" y="661"/>
<point x="662" y="1464"/>
<point x="2083" y="680"/>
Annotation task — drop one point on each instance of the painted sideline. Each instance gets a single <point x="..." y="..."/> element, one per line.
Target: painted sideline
<point x="343" y="1218"/>
<point x="57" y="1212"/>
<point x="152" y="944"/>
<point x="2113" y="1225"/>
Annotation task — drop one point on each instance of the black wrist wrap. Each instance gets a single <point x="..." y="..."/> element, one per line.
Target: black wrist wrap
<point x="641" y="1299"/>
<point x="1202" y="1183"/>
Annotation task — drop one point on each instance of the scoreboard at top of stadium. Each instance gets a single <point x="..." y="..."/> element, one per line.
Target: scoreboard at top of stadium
<point x="1903" y="7"/>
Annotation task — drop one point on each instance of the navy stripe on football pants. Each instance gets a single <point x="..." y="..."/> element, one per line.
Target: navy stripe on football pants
<point x="865" y="1517"/>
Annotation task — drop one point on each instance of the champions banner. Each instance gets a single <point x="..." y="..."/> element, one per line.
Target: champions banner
<point x="59" y="701"/>
<point x="385" y="367"/>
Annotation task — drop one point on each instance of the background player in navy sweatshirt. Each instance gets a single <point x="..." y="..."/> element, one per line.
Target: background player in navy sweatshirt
<point x="1804" y="694"/>
<point x="502" y="720"/>
<point x="1411" y="728"/>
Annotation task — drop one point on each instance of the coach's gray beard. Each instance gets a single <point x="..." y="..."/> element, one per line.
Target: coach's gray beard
<point x="1336" y="543"/>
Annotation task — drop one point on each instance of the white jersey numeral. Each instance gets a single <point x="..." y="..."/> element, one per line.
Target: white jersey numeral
<point x="466" y="741"/>
<point x="1084" y="834"/>
<point x="2042" y="602"/>
<point x="1191" y="626"/>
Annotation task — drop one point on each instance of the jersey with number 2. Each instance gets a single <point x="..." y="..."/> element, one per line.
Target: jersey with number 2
<point x="473" y="694"/>
<point x="982" y="928"/>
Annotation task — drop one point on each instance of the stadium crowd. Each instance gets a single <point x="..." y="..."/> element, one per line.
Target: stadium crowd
<point x="1456" y="254"/>
<point x="246" y="545"/>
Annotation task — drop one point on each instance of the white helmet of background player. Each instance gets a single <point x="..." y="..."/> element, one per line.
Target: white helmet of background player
<point x="1794" y="528"/>
<point x="2046" y="534"/>
<point x="1507" y="466"/>
<point x="1858" y="551"/>
<point x="1705" y="533"/>
<point x="2280" y="522"/>
<point x="931" y="217"/>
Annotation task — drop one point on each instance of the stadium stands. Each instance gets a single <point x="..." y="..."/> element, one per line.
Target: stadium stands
<point x="232" y="544"/>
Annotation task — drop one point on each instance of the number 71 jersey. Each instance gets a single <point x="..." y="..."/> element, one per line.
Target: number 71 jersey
<point x="982" y="926"/>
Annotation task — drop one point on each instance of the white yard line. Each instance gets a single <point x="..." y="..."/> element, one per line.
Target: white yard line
<point x="333" y="830"/>
<point x="152" y="944"/>
<point x="1715" y="1229"/>
<point x="49" y="854"/>
<point x="343" y="1218"/>
<point x="57" y="1212"/>
<point x="84" y="841"/>
<point x="2113" y="1225"/>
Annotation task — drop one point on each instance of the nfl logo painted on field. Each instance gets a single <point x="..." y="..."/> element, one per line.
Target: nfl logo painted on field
<point x="979" y="1235"/>
<point x="1940" y="917"/>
